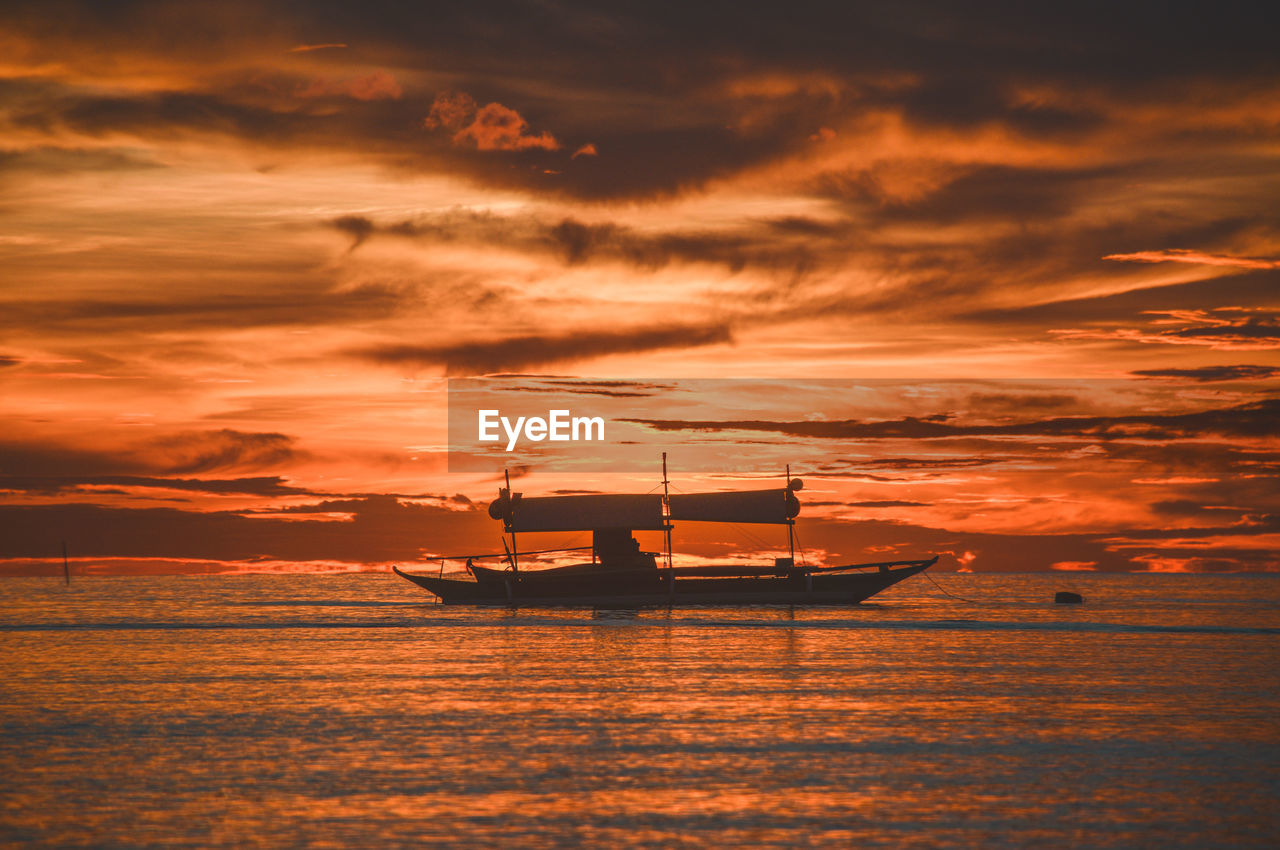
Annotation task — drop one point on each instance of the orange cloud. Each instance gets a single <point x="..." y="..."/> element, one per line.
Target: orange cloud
<point x="586" y="150"/>
<point x="450" y="110"/>
<point x="379" y="85"/>
<point x="306" y="48"/>
<point x="492" y="127"/>
<point x="1181" y="255"/>
<point x="1225" y="329"/>
<point x="497" y="128"/>
<point x="1074" y="566"/>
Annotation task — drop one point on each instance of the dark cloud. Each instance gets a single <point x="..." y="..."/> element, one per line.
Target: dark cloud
<point x="34" y="460"/>
<point x="990" y="402"/>
<point x="320" y="305"/>
<point x="1222" y="328"/>
<point x="47" y="159"/>
<point x="181" y="453"/>
<point x="521" y="352"/>
<point x="659" y="103"/>
<point x="1190" y="507"/>
<point x="165" y="115"/>
<point x="1096" y="41"/>
<point x="381" y="529"/>
<point x="1206" y="374"/>
<point x="917" y="463"/>
<point x="272" y="485"/>
<point x="887" y="503"/>
<point x="1183" y="255"/>
<point x="1251" y="329"/>
<point x="1253" y="420"/>
<point x="578" y="386"/>
<point x="638" y="161"/>
<point x="854" y="541"/>
<point x="1132" y="308"/>
<point x="205" y="451"/>
<point x="357" y="227"/>
<point x="588" y="391"/>
<point x="962" y="157"/>
<point x="977" y="193"/>
<point x="573" y="242"/>
<point x="974" y="100"/>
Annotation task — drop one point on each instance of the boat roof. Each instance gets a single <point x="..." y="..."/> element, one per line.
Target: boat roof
<point x="642" y="511"/>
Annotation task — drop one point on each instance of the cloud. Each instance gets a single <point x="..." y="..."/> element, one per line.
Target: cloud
<point x="1209" y="329"/>
<point x="1190" y="507"/>
<point x="1015" y="402"/>
<point x="523" y="352"/>
<point x="317" y="304"/>
<point x="1181" y="255"/>
<point x="497" y="128"/>
<point x="1133" y="305"/>
<point x="379" y="85"/>
<point x="676" y="114"/>
<point x="1074" y="566"/>
<point x="306" y="48"/>
<point x="919" y="463"/>
<point x="928" y="191"/>
<point x="177" y="453"/>
<point x="381" y="529"/>
<point x="450" y="110"/>
<point x="272" y="485"/>
<point x="758" y="245"/>
<point x="59" y="160"/>
<point x="204" y="451"/>
<point x="357" y="227"/>
<point x="1250" y="420"/>
<point x="1212" y="373"/>
<point x="492" y="127"/>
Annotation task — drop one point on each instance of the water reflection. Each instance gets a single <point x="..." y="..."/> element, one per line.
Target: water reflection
<point x="615" y="613"/>
<point x="330" y="711"/>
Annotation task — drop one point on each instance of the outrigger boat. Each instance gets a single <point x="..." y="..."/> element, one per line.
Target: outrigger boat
<point x="620" y="575"/>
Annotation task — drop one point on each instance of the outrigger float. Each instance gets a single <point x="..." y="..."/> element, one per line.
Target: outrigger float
<point x="621" y="575"/>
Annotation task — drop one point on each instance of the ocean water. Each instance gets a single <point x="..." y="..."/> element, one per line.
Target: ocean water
<point x="341" y="711"/>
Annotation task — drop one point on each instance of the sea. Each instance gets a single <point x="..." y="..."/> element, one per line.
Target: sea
<point x="350" y="710"/>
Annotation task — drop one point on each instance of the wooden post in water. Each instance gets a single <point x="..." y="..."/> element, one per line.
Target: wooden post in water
<point x="66" y="568"/>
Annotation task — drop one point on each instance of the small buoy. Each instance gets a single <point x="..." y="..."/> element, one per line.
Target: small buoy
<point x="1067" y="597"/>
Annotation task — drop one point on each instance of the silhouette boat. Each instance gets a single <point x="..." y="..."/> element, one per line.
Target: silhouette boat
<point x="621" y="575"/>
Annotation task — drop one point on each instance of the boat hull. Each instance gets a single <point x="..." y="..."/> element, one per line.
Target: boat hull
<point x="659" y="588"/>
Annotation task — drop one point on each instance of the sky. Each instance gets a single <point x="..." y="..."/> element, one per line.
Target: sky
<point x="244" y="246"/>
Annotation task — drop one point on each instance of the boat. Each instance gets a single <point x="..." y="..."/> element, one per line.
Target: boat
<point x="621" y="575"/>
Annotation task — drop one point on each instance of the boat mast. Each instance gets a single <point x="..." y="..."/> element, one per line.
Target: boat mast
<point x="511" y="507"/>
<point x="791" y="524"/>
<point x="666" y="504"/>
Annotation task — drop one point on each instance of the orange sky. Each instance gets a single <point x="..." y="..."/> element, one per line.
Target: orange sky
<point x="244" y="245"/>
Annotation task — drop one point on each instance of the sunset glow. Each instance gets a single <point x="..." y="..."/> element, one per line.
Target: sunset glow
<point x="244" y="247"/>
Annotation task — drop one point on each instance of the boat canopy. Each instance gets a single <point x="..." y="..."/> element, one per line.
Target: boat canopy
<point x="642" y="512"/>
<point x="774" y="506"/>
<point x="578" y="513"/>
